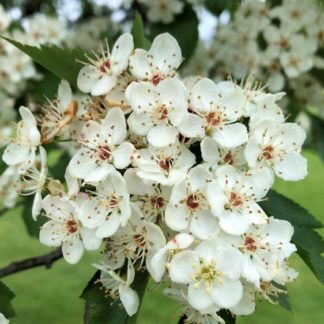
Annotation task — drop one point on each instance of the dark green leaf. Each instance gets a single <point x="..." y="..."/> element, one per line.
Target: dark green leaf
<point x="62" y="62"/>
<point x="282" y="297"/>
<point x="318" y="134"/>
<point x="284" y="208"/>
<point x="100" y="309"/>
<point x="314" y="261"/>
<point x="309" y="239"/>
<point x="58" y="160"/>
<point x="184" y="29"/>
<point x="227" y="316"/>
<point x="218" y="6"/>
<point x="140" y="40"/>
<point x="6" y="295"/>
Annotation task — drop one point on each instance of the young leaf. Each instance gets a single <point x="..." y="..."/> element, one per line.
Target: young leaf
<point x="184" y="28"/>
<point x="140" y="41"/>
<point x="281" y="207"/>
<point x="62" y="62"/>
<point x="100" y="308"/>
<point x="6" y="295"/>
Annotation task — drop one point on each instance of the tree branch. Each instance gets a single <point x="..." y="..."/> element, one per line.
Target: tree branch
<point x="38" y="261"/>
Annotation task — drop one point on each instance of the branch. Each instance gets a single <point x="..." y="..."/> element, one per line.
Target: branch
<point x="43" y="260"/>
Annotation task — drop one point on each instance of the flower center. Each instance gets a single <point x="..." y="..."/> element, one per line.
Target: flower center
<point x="250" y="244"/>
<point x="112" y="202"/>
<point x="104" y="152"/>
<point x="157" y="202"/>
<point x="234" y="200"/>
<point x="207" y="272"/>
<point x="228" y="158"/>
<point x="267" y="152"/>
<point x="166" y="164"/>
<point x="72" y="226"/>
<point x="213" y="119"/>
<point x="156" y="79"/>
<point x="105" y="66"/>
<point x="139" y="241"/>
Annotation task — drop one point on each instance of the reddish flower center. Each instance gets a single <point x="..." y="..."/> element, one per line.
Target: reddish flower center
<point x="139" y="240"/>
<point x="235" y="200"/>
<point x="192" y="201"/>
<point x="156" y="79"/>
<point x="228" y="158"/>
<point x="166" y="164"/>
<point x="213" y="119"/>
<point x="104" y="152"/>
<point x="267" y="152"/>
<point x="157" y="202"/>
<point x="72" y="226"/>
<point x="250" y="244"/>
<point x="106" y="65"/>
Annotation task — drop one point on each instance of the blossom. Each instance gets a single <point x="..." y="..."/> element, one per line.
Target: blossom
<point x="99" y="76"/>
<point x="166" y="165"/>
<point x="277" y="147"/>
<point x="157" y="110"/>
<point x="188" y="208"/>
<point x="116" y="286"/>
<point x="159" y="63"/>
<point x="64" y="228"/>
<point x="21" y="151"/>
<point x="212" y="274"/>
<point x="102" y="148"/>
<point x="233" y="197"/>
<point x="109" y="208"/>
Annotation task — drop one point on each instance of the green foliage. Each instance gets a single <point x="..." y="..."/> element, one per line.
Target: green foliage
<point x="101" y="309"/>
<point x="6" y="295"/>
<point x="318" y="134"/>
<point x="140" y="40"/>
<point x="309" y="243"/>
<point x="184" y="28"/>
<point x="218" y="6"/>
<point x="64" y="63"/>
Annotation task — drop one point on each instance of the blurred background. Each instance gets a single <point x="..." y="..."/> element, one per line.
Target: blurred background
<point x="52" y="296"/>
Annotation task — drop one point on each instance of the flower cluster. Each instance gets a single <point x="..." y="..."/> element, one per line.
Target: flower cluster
<point x="166" y="174"/>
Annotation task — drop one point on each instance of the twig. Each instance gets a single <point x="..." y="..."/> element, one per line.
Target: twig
<point x="42" y="260"/>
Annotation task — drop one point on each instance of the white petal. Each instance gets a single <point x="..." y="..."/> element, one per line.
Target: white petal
<point x="181" y="267"/>
<point x="192" y="126"/>
<point x="90" y="241"/>
<point x="114" y="124"/>
<point x="216" y="198"/>
<point x="15" y="154"/>
<point x="157" y="264"/>
<point x="140" y="124"/>
<point x="293" y="167"/>
<point x="177" y="218"/>
<point x="232" y="135"/>
<point x="228" y="293"/>
<point x="251" y="152"/>
<point x="210" y="150"/>
<point x="72" y="249"/>
<point x="37" y="204"/>
<point x="123" y="155"/>
<point x="199" y="177"/>
<point x="162" y="135"/>
<point x="29" y="127"/>
<point x="65" y="93"/>
<point x="129" y="298"/>
<point x="246" y="306"/>
<point x="203" y="95"/>
<point x="109" y="227"/>
<point x="204" y="225"/>
<point x="166" y="53"/>
<point x="51" y="233"/>
<point x="229" y="262"/>
<point x="140" y="65"/>
<point x="103" y="85"/>
<point x="87" y="78"/>
<point x="233" y="222"/>
<point x="121" y="51"/>
<point x="198" y="297"/>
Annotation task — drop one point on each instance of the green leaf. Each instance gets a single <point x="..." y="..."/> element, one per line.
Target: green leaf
<point x="6" y="296"/>
<point x="58" y="160"/>
<point x="100" y="309"/>
<point x="284" y="208"/>
<point x="140" y="40"/>
<point x="184" y="28"/>
<point x="318" y="134"/>
<point x="309" y="243"/>
<point x="62" y="62"/>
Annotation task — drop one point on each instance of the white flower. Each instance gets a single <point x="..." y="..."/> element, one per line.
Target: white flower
<point x="233" y="197"/>
<point x="151" y="198"/>
<point x="159" y="63"/>
<point x="58" y="113"/>
<point x="103" y="147"/>
<point x="277" y="147"/>
<point x="162" y="257"/>
<point x="32" y="181"/>
<point x="212" y="273"/>
<point x="116" y="286"/>
<point x="246" y="306"/>
<point x="109" y="208"/>
<point x="220" y="106"/>
<point x="188" y="208"/>
<point x="21" y="151"/>
<point x="157" y="110"/>
<point x="5" y="19"/>
<point x="64" y="228"/>
<point x="264" y="248"/>
<point x="3" y="320"/>
<point x="8" y="192"/>
<point x="99" y="76"/>
<point x="166" y="165"/>
<point x="162" y="10"/>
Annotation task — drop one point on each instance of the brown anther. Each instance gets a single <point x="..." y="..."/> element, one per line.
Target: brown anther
<point x="72" y="226"/>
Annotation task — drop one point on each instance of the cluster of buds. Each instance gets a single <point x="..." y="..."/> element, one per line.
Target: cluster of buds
<point x="166" y="174"/>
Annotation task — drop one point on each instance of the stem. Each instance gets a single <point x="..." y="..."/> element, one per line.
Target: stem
<point x="43" y="260"/>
